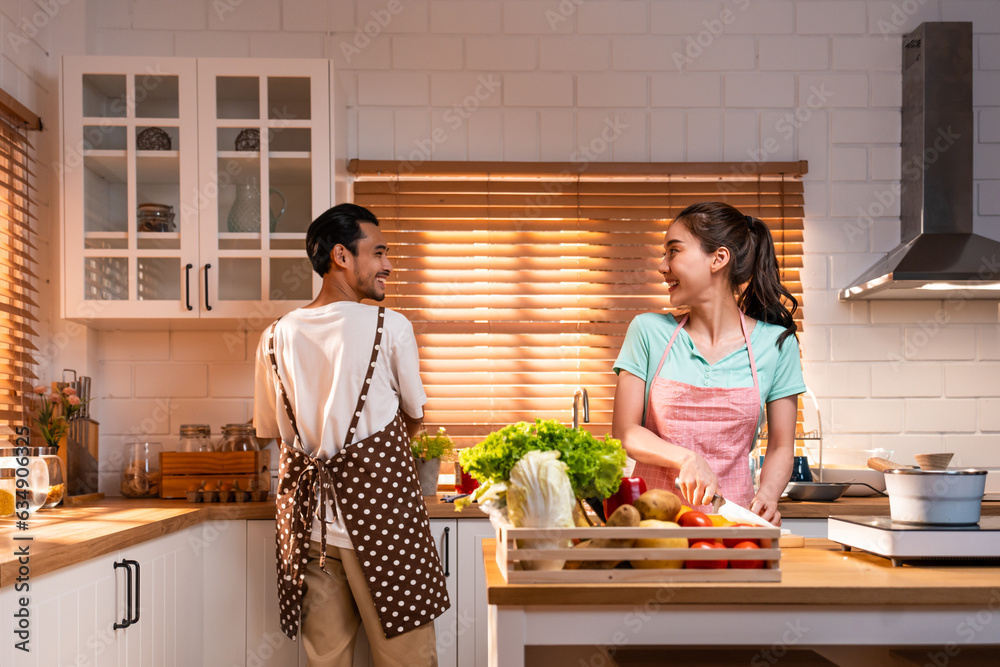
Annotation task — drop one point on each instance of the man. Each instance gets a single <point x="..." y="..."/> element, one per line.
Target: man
<point x="337" y="382"/>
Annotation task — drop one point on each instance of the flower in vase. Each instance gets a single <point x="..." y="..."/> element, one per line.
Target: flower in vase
<point x="56" y="411"/>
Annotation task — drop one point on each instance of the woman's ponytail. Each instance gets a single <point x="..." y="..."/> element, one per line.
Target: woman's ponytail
<point x="754" y="274"/>
<point x="762" y="297"/>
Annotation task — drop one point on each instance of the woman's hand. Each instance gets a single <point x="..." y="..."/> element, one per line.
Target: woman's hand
<point x="766" y="508"/>
<point x="696" y="481"/>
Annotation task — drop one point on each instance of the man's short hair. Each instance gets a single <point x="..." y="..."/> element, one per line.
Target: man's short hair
<point x="338" y="225"/>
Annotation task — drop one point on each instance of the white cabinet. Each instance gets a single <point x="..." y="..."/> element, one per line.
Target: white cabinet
<point x="472" y="609"/>
<point x="247" y="168"/>
<point x="445" y="534"/>
<point x="265" y="643"/>
<point x="73" y="610"/>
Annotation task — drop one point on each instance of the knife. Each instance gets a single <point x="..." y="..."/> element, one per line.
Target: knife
<point x="737" y="513"/>
<point x="732" y="511"/>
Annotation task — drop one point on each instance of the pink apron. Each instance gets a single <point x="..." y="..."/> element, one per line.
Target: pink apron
<point x="718" y="423"/>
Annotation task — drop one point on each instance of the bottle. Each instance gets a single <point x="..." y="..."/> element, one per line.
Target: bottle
<point x="238" y="438"/>
<point x="195" y="438"/>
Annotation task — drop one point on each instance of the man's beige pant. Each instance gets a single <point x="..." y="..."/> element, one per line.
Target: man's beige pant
<point x="333" y="605"/>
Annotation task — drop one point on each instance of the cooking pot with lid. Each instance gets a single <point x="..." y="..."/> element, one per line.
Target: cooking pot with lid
<point x="941" y="497"/>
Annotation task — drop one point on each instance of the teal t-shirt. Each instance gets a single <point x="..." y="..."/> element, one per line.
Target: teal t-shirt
<point x="779" y="372"/>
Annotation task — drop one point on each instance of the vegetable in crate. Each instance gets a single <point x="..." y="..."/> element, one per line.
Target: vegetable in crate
<point x="540" y="496"/>
<point x="594" y="465"/>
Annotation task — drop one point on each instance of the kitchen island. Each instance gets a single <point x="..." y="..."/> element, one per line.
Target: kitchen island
<point x="851" y="607"/>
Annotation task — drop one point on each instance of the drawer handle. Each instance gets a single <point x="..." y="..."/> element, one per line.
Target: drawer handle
<point x="128" y="596"/>
<point x="447" y="531"/>
<point x="137" y="580"/>
<point x="207" y="267"/>
<point x="187" y="286"/>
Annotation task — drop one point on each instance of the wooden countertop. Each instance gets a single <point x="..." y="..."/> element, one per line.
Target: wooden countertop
<point x="820" y="574"/>
<point x="71" y="534"/>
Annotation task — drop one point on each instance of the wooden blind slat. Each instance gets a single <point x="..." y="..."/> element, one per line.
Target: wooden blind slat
<point x="520" y="279"/>
<point x="17" y="307"/>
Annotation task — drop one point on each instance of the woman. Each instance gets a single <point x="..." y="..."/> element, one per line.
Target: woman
<point x="691" y="394"/>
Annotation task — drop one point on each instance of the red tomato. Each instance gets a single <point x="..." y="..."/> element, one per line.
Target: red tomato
<point x="694" y="519"/>
<point x="705" y="564"/>
<point x="733" y="541"/>
<point x="746" y="564"/>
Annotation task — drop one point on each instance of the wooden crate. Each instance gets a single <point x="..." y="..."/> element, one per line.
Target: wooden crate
<point x="509" y="555"/>
<point x="182" y="469"/>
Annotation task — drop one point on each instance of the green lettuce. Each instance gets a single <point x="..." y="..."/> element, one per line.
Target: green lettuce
<point x="594" y="465"/>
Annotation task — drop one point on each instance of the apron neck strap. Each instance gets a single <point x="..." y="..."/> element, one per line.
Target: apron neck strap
<point x="746" y="337"/>
<point x="281" y="385"/>
<point x="349" y="438"/>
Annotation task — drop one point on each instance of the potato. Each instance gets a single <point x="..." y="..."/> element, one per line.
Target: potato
<point x="625" y="516"/>
<point x="659" y="543"/>
<point x="658" y="504"/>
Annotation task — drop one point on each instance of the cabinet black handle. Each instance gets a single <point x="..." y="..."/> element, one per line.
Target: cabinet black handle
<point x="187" y="285"/>
<point x="207" y="267"/>
<point x="137" y="579"/>
<point x="128" y="596"/>
<point x="446" y="565"/>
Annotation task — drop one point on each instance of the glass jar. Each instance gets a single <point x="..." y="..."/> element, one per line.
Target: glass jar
<point x="238" y="438"/>
<point x="141" y="470"/>
<point x="155" y="218"/>
<point x="28" y="465"/>
<point x="195" y="438"/>
<point x="57" y="482"/>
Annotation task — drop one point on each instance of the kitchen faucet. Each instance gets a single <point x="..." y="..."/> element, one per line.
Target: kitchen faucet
<point x="576" y="407"/>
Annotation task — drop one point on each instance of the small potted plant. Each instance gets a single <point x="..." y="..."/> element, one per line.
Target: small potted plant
<point x="428" y="450"/>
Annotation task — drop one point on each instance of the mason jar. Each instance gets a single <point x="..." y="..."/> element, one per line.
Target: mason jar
<point x="141" y="470"/>
<point x="195" y="438"/>
<point x="238" y="438"/>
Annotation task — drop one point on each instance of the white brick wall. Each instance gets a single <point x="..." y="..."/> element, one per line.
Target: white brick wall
<point x="831" y="17"/>
<point x="574" y="54"/>
<point x="690" y="81"/>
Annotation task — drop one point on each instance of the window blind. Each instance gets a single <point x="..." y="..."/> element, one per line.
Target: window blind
<point x="17" y="276"/>
<point x="520" y="279"/>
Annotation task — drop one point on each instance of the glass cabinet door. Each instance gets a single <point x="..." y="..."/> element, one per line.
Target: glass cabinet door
<point x="130" y="188"/>
<point x="264" y="151"/>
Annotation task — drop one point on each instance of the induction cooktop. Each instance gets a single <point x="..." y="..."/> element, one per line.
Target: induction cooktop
<point x="882" y="536"/>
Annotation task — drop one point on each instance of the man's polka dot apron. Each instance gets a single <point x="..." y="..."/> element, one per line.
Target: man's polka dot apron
<point x="378" y="492"/>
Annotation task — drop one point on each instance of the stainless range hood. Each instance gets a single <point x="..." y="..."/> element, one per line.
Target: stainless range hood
<point x="938" y="253"/>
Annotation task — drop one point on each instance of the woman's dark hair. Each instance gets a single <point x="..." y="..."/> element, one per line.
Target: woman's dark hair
<point x="753" y="269"/>
<point x="338" y="225"/>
